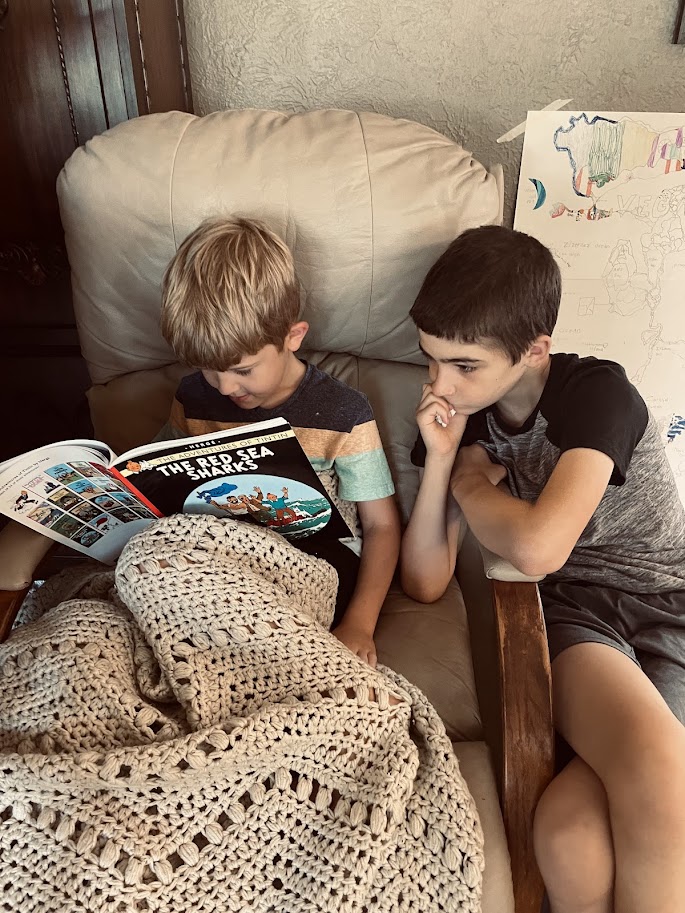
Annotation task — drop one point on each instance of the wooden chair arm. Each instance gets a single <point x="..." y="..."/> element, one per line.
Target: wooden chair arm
<point x="527" y="728"/>
<point x="512" y="671"/>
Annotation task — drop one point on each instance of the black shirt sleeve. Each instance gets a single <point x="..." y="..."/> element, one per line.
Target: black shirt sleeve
<point x="599" y="409"/>
<point x="418" y="452"/>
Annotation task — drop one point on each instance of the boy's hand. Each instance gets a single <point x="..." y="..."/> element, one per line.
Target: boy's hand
<point x="359" y="641"/>
<point x="475" y="459"/>
<point x="440" y="426"/>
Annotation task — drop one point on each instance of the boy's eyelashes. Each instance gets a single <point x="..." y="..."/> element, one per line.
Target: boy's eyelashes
<point x="465" y="369"/>
<point x="242" y="373"/>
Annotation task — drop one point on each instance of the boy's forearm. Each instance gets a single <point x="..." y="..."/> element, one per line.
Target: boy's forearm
<point x="427" y="558"/>
<point x="497" y="519"/>
<point x="427" y="524"/>
<point x="378" y="561"/>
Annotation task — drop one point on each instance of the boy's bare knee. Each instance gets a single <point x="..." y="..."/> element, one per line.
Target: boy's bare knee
<point x="573" y="846"/>
<point x="565" y="827"/>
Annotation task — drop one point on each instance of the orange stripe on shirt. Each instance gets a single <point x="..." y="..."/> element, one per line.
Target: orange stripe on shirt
<point x="317" y="443"/>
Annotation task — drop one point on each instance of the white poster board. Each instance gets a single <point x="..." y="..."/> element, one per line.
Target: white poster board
<point x="606" y="193"/>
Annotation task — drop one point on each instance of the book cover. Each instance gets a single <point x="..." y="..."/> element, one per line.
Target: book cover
<point x="80" y="494"/>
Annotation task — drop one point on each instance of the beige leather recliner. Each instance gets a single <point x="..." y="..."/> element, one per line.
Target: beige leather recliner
<point x="366" y="203"/>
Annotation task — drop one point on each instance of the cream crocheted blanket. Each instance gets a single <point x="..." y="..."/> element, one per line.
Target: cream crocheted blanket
<point x="193" y="739"/>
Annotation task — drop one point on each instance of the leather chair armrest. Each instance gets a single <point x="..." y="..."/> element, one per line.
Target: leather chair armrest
<point x="527" y="728"/>
<point x="21" y="551"/>
<point x="10" y="603"/>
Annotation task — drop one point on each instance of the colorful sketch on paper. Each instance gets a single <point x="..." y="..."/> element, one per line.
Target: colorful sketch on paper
<point x="614" y="218"/>
<point x="600" y="149"/>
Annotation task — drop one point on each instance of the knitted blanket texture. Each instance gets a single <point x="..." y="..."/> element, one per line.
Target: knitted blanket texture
<point x="185" y="735"/>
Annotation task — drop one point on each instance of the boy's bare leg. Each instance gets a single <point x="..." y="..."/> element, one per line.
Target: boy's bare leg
<point x="573" y="842"/>
<point x="614" y="718"/>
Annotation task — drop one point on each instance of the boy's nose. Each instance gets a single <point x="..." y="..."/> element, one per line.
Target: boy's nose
<point x="228" y="386"/>
<point x="440" y="385"/>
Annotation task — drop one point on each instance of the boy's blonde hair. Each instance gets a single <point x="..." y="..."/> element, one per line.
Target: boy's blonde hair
<point x="229" y="291"/>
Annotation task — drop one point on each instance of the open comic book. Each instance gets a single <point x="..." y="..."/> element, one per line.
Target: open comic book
<point x="83" y="495"/>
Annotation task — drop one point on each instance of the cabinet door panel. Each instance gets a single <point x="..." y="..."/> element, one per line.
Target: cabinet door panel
<point x="69" y="69"/>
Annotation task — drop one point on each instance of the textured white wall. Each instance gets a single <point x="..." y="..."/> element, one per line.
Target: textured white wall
<point x="467" y="68"/>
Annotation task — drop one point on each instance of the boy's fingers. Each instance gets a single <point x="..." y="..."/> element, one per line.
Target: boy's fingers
<point x="435" y="410"/>
<point x="429" y="398"/>
<point x="432" y="399"/>
<point x="368" y="656"/>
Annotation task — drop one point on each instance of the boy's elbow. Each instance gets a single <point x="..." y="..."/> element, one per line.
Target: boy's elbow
<point x="535" y="557"/>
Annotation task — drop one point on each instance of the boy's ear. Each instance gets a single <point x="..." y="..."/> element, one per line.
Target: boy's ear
<point x="296" y="335"/>
<point x="538" y="351"/>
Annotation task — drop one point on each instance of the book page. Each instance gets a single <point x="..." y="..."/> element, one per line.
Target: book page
<point x="139" y="454"/>
<point x="606" y="193"/>
<point x="66" y="492"/>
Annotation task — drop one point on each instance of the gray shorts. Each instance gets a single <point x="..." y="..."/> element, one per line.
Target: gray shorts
<point x="647" y="627"/>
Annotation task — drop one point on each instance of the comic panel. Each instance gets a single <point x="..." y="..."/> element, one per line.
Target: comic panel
<point x="85" y="487"/>
<point x="68" y="526"/>
<point x="63" y="473"/>
<point x="86" y="511"/>
<point x="86" y="469"/>
<point x="87" y="536"/>
<point x="65" y="498"/>
<point x="105" y="522"/>
<point x="105" y="502"/>
<point x="46" y="514"/>
<point x="125" y="514"/>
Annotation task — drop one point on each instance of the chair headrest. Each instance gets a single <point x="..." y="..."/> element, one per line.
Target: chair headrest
<point x="366" y="203"/>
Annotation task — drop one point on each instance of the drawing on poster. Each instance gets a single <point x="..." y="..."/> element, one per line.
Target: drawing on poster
<point x="613" y="214"/>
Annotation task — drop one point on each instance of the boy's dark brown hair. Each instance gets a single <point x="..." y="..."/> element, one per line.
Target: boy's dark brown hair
<point x="491" y="283"/>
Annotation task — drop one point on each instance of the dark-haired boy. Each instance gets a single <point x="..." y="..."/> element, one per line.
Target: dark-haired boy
<point x="593" y="505"/>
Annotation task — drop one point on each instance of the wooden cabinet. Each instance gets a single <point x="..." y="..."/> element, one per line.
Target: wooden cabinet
<point x="69" y="69"/>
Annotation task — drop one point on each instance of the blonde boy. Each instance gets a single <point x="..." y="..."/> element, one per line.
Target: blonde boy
<point x="231" y="308"/>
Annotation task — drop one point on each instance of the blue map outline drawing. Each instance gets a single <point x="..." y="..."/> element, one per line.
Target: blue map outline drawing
<point x="572" y="123"/>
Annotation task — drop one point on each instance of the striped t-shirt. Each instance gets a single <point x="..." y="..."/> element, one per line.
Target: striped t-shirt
<point x="333" y="423"/>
